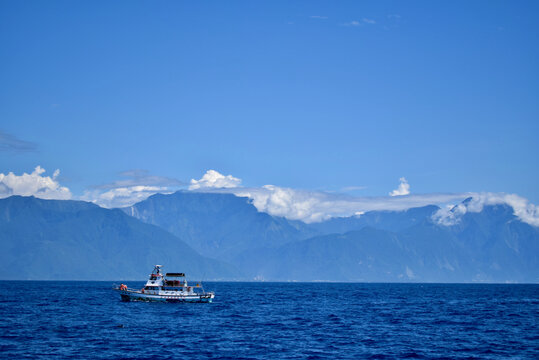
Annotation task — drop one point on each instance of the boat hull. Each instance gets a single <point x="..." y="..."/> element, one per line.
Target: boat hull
<point x="139" y="296"/>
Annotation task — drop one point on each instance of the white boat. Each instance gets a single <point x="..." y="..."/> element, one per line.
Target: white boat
<point x="172" y="287"/>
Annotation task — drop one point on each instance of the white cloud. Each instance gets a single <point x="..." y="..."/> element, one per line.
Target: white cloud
<point x="311" y="206"/>
<point x="286" y="202"/>
<point x="449" y="215"/>
<point x="522" y="208"/>
<point x="368" y="21"/>
<point x="403" y="189"/>
<point x="33" y="184"/>
<point x="213" y="179"/>
<point x="318" y="17"/>
<point x="122" y="196"/>
<point x="314" y="206"/>
<point x="136" y="186"/>
<point x="352" y="23"/>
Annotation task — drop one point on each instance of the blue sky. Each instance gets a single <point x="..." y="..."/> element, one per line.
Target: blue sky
<point x="316" y="95"/>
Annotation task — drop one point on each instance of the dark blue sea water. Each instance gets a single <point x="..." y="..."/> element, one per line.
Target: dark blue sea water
<point x="272" y="320"/>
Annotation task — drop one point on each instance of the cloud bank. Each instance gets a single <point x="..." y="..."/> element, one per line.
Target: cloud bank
<point x="314" y="206"/>
<point x="294" y="204"/>
<point x="33" y="184"/>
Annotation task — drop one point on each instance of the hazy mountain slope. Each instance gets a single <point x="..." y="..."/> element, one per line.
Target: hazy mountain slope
<point x="499" y="244"/>
<point x="55" y="239"/>
<point x="492" y="245"/>
<point x="217" y="225"/>
<point x="365" y="255"/>
<point x="46" y="239"/>
<point x="384" y="220"/>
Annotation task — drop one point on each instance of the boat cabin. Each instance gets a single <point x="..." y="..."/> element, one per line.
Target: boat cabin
<point x="170" y="284"/>
<point x="175" y="279"/>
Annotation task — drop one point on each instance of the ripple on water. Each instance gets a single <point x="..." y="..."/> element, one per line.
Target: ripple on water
<point x="261" y="321"/>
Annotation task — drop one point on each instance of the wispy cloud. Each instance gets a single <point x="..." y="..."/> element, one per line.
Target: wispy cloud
<point x="403" y="189"/>
<point x="33" y="184"/>
<point x="11" y="143"/>
<point x="393" y="16"/>
<point x="138" y="177"/>
<point x="136" y="186"/>
<point x="361" y="22"/>
<point x="123" y="196"/>
<point x="353" y="188"/>
<point x="318" y="17"/>
<point x="352" y="23"/>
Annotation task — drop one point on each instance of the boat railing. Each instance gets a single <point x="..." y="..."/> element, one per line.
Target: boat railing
<point x="123" y="287"/>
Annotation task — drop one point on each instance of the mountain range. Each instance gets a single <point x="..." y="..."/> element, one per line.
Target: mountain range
<point x="223" y="236"/>
<point x="65" y="239"/>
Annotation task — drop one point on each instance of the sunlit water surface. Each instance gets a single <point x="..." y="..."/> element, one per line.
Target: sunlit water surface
<point x="87" y="320"/>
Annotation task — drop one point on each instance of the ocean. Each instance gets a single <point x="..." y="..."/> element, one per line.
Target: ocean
<point x="87" y="320"/>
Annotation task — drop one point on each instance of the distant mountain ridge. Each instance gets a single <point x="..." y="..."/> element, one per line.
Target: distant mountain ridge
<point x="218" y="225"/>
<point x="384" y="219"/>
<point x="492" y="245"/>
<point x="65" y="239"/>
<point x="424" y="252"/>
<point x="223" y="236"/>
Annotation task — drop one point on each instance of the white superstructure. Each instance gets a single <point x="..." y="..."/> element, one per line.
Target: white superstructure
<point x="171" y="287"/>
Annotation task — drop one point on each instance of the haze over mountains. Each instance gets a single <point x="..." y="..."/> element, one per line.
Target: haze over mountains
<point x="223" y="236"/>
